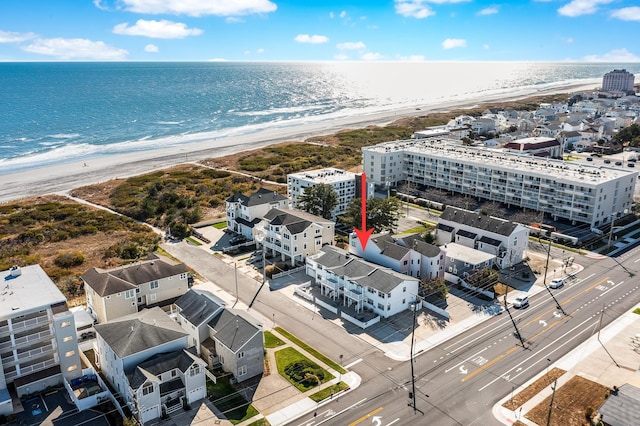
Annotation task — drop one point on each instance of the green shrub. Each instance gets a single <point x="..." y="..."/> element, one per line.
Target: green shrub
<point x="69" y="260"/>
<point x="305" y="372"/>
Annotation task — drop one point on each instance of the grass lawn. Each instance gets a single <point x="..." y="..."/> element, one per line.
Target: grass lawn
<point x="272" y="341"/>
<point x="311" y="350"/>
<point x="220" y="225"/>
<point x="229" y="402"/>
<point x="194" y="241"/>
<point x="416" y="229"/>
<point x="327" y="392"/>
<point x="260" y="422"/>
<point x="287" y="356"/>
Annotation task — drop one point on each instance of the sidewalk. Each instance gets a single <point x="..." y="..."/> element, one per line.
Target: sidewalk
<point x="591" y="361"/>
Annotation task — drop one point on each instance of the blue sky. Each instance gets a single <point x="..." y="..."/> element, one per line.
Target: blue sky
<point x="327" y="30"/>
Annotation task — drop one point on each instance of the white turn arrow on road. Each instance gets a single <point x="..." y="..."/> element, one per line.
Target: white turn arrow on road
<point x="557" y="314"/>
<point x="543" y="323"/>
<point x="377" y="420"/>
<point x="463" y="370"/>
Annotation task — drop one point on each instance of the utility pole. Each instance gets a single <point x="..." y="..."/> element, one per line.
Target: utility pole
<point x="235" y="274"/>
<point x="413" y="377"/>
<point x="518" y="335"/>
<point x="544" y="281"/>
<point x="553" y="394"/>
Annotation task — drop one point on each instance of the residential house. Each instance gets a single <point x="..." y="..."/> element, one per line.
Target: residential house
<point x="461" y="260"/>
<point x="505" y="240"/>
<point x="293" y="234"/>
<point x="243" y="212"/>
<point x="236" y="344"/>
<point x="193" y="310"/>
<point x="360" y="285"/>
<point x="538" y="146"/>
<point x="38" y="343"/>
<point x="483" y="126"/>
<point x="410" y="255"/>
<point x="622" y="407"/>
<point x="121" y="291"/>
<point x="145" y="358"/>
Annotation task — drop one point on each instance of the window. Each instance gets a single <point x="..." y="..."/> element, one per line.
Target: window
<point x="242" y="370"/>
<point x="405" y="262"/>
<point x="70" y="353"/>
<point x="67" y="339"/>
<point x="404" y="289"/>
<point x="153" y="285"/>
<point x="194" y="370"/>
<point x="240" y="354"/>
<point x="147" y="389"/>
<point x="65" y="324"/>
<point x="129" y="294"/>
<point x="72" y="368"/>
<point x="174" y="373"/>
<point x="152" y="297"/>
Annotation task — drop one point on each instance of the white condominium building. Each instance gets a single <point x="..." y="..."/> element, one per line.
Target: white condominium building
<point x="575" y="191"/>
<point x="618" y="81"/>
<point x="343" y="182"/>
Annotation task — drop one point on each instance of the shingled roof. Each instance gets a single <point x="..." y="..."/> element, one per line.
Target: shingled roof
<point x="622" y="408"/>
<point x="197" y="307"/>
<point x="294" y="220"/>
<point x="233" y="329"/>
<point x="140" y="331"/>
<point x="158" y="364"/>
<point x="261" y="196"/>
<point x="129" y="277"/>
<point x="477" y="220"/>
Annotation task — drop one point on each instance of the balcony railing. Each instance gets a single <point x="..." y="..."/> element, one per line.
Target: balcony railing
<point x="24" y="325"/>
<point x="32" y="338"/>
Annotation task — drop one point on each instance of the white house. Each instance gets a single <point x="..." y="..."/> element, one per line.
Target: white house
<point x="144" y="357"/>
<point x="293" y="234"/>
<point x="243" y="212"/>
<point x="193" y="311"/>
<point x="410" y="255"/>
<point x="505" y="240"/>
<point x="360" y="285"/>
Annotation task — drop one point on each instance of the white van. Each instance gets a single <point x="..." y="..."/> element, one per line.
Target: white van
<point x="84" y="323"/>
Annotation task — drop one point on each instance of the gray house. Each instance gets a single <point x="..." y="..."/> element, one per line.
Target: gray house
<point x="193" y="311"/>
<point x="236" y="344"/>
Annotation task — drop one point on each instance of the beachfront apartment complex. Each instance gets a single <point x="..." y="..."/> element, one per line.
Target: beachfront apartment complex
<point x="575" y="191"/>
<point x="342" y="181"/>
<point x="618" y="81"/>
<point x="38" y="343"/>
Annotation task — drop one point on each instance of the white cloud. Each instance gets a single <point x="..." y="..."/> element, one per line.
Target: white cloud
<point x="260" y="51"/>
<point x="156" y="29"/>
<point x="486" y="46"/>
<point x="233" y="20"/>
<point x="627" y="13"/>
<point x="199" y="7"/>
<point x="451" y="43"/>
<point x="371" y="56"/>
<point x="76" y="48"/>
<point x="313" y="39"/>
<point x="351" y="45"/>
<point x="11" y="37"/>
<point x="581" y="7"/>
<point x="151" y="48"/>
<point x="616" y="55"/>
<point x="488" y="11"/>
<point x="343" y="14"/>
<point x="413" y="9"/>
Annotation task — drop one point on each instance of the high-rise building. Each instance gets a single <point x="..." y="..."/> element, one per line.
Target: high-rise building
<point x="343" y="182"/>
<point x="618" y="81"/>
<point x="576" y="191"/>
<point x="38" y="342"/>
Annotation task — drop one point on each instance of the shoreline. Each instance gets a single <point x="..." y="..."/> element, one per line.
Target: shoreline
<point x="65" y="177"/>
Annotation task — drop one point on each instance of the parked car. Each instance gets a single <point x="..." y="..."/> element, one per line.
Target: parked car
<point x="556" y="283"/>
<point x="589" y="159"/>
<point x="631" y="165"/>
<point x="607" y="161"/>
<point x="237" y="240"/>
<point x="521" y="302"/>
<point x="618" y="163"/>
<point x="633" y="159"/>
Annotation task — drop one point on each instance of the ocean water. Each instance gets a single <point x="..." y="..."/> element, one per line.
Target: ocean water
<point x="54" y="112"/>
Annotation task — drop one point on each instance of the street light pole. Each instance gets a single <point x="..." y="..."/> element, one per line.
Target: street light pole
<point x="544" y="281"/>
<point x="414" y="307"/>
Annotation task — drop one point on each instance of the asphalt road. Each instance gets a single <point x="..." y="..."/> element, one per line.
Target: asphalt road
<point x="458" y="382"/>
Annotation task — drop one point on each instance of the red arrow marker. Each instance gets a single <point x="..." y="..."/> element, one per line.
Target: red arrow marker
<point x="364" y="233"/>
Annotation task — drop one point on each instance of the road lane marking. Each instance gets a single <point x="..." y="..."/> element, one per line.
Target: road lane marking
<point x="464" y="360"/>
<point x="336" y="414"/>
<point x="366" y="416"/>
<point x="353" y="363"/>
<point x="540" y="351"/>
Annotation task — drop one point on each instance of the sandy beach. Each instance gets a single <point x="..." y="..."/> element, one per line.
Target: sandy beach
<point x="65" y="177"/>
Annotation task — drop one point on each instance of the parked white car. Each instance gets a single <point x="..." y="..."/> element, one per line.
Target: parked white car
<point x="556" y="283"/>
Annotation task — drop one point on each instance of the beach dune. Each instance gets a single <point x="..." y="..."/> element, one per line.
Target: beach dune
<point x="65" y="177"/>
